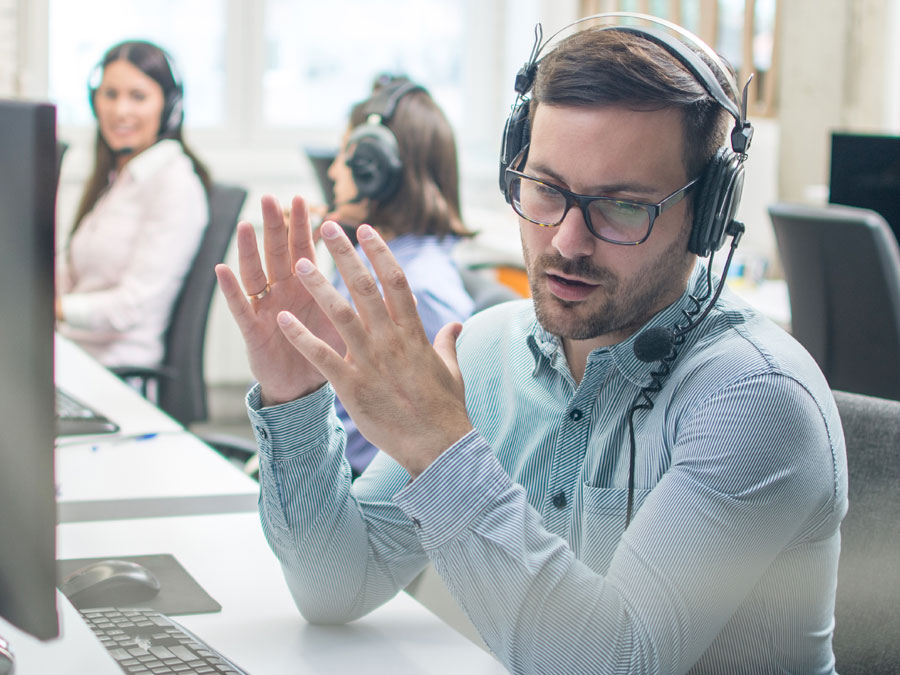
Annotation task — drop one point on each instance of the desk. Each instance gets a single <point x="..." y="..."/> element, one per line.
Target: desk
<point x="259" y="627"/>
<point x="130" y="474"/>
<point x="769" y="296"/>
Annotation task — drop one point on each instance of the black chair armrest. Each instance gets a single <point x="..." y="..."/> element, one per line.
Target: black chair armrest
<point x="241" y="450"/>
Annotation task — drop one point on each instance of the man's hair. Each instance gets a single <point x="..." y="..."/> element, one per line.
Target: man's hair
<point x="598" y="66"/>
<point x="427" y="201"/>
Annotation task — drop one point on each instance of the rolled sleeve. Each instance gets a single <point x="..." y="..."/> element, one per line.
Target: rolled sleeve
<point x="277" y="432"/>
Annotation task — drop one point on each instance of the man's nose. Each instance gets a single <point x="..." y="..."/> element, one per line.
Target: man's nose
<point x="573" y="239"/>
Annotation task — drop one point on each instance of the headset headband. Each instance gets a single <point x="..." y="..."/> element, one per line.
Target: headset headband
<point x="390" y="106"/>
<point x="742" y="132"/>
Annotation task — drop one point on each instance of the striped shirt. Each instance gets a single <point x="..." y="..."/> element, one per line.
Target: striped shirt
<point x="729" y="564"/>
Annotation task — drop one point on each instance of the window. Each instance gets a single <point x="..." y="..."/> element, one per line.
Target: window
<point x="80" y="33"/>
<point x="743" y="31"/>
<point x="322" y="57"/>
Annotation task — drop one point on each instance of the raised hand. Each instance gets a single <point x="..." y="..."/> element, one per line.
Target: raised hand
<point x="282" y="372"/>
<point x="405" y="396"/>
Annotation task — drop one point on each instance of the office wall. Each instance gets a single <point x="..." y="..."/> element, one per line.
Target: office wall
<point x="839" y="70"/>
<point x="8" y="47"/>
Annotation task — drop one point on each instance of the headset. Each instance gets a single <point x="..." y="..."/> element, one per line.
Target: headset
<point x="719" y="191"/>
<point x="172" y="115"/>
<point x="715" y="204"/>
<point x="375" y="164"/>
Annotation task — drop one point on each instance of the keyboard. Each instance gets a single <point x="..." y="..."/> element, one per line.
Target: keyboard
<point x="145" y="642"/>
<point x="76" y="418"/>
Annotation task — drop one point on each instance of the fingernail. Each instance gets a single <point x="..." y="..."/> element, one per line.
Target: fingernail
<point x="284" y="318"/>
<point x="305" y="266"/>
<point x="330" y="230"/>
<point x="365" y="232"/>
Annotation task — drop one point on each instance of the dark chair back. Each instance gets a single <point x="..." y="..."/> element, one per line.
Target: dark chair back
<point x="321" y="157"/>
<point x="867" y="609"/>
<point x="485" y="289"/>
<point x="183" y="393"/>
<point x="842" y="267"/>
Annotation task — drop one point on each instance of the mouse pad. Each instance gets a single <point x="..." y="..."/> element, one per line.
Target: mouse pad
<point x="179" y="592"/>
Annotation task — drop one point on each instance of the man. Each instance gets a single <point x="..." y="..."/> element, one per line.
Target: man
<point x="507" y="452"/>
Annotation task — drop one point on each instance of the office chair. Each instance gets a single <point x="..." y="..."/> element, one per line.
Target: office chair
<point x="842" y="266"/>
<point x="321" y="158"/>
<point x="485" y="288"/>
<point x="61" y="147"/>
<point x="867" y="608"/>
<point x="179" y="381"/>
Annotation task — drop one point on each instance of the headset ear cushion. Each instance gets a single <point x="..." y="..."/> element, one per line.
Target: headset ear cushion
<point x="516" y="135"/>
<point x="716" y="201"/>
<point x="375" y="162"/>
<point x="173" y="114"/>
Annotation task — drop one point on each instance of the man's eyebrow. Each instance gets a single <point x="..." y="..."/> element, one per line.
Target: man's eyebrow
<point x="609" y="188"/>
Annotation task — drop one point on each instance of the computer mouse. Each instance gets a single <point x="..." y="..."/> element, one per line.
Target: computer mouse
<point x="110" y="583"/>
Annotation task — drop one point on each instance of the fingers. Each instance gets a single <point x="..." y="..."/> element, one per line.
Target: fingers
<point x="398" y="306"/>
<point x="300" y="239"/>
<point x="338" y="310"/>
<point x="275" y="242"/>
<point x="235" y="298"/>
<point x="249" y="265"/>
<point x="327" y="361"/>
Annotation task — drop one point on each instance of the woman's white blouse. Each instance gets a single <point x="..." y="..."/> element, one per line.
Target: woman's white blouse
<point x="122" y="270"/>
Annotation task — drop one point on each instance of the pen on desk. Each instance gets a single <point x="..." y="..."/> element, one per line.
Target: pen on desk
<point x="118" y="440"/>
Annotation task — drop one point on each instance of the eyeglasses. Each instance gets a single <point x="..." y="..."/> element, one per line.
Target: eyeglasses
<point x="618" y="221"/>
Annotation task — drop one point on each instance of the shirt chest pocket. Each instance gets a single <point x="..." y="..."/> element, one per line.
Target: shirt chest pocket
<point x="603" y="522"/>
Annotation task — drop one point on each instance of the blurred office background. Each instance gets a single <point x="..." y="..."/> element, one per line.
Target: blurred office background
<point x="265" y="78"/>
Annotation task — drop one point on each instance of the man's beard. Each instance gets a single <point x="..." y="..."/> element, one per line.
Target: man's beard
<point x="614" y="310"/>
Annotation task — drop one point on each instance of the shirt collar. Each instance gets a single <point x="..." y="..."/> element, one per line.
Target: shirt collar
<point x="546" y="346"/>
<point x="145" y="164"/>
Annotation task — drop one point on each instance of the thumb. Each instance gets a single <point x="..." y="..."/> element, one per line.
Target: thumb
<point x="445" y="346"/>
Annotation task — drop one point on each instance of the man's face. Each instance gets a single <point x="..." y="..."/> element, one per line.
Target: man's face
<point x="585" y="288"/>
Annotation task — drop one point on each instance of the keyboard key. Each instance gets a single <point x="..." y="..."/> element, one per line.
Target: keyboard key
<point x="144" y="641"/>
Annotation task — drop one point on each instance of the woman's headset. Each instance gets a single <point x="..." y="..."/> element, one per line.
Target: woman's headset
<point x="375" y="164"/>
<point x="172" y="116"/>
<point x="719" y="191"/>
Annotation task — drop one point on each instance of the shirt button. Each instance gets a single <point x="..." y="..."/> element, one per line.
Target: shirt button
<point x="559" y="500"/>
<point x="575" y="415"/>
<point x="416" y="522"/>
<point x="262" y="432"/>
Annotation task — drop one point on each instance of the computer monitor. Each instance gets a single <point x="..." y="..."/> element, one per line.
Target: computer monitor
<point x="28" y="176"/>
<point x="865" y="172"/>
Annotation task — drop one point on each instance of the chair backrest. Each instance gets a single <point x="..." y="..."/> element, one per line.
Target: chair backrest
<point x="486" y="290"/>
<point x="183" y="395"/>
<point x="321" y="158"/>
<point x="867" y="609"/>
<point x="842" y="267"/>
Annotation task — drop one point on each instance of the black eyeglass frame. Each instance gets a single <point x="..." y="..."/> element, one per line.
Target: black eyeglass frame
<point x="573" y="198"/>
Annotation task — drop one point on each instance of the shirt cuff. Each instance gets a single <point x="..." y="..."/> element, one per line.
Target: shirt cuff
<point x="446" y="498"/>
<point x="287" y="430"/>
<point x="76" y="310"/>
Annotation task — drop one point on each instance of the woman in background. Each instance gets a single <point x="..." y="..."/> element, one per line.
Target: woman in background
<point x="397" y="171"/>
<point x="142" y="214"/>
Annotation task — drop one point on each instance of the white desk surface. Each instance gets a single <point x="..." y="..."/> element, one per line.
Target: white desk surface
<point x="259" y="627"/>
<point x="78" y="374"/>
<point x="769" y="296"/>
<point x="131" y="475"/>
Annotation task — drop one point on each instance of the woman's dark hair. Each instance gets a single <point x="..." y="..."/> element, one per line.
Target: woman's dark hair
<point x="427" y="201"/>
<point x="155" y="63"/>
<point x="599" y="66"/>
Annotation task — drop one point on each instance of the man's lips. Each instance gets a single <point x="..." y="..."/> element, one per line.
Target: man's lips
<point x="569" y="288"/>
